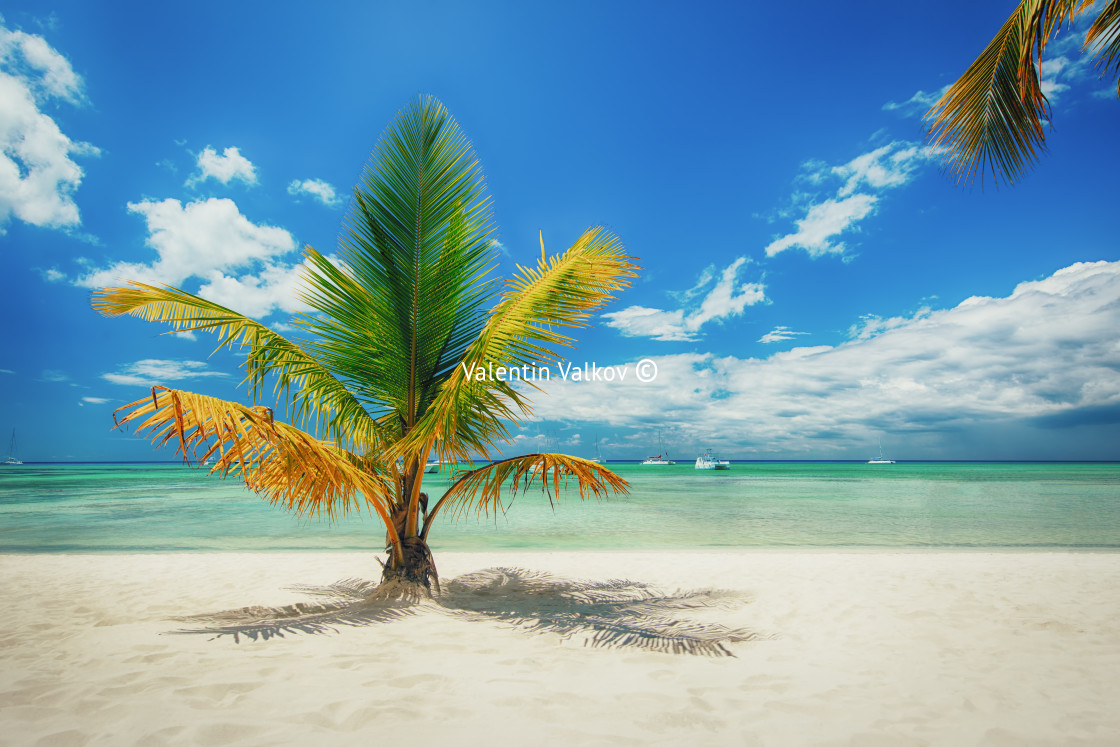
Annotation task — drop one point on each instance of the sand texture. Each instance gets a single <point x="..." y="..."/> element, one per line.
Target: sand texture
<point x="828" y="648"/>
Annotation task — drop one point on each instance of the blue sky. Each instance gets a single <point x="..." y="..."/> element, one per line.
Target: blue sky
<point x="812" y="282"/>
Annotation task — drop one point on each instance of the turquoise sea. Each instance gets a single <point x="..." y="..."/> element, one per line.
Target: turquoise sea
<point x="174" y="507"/>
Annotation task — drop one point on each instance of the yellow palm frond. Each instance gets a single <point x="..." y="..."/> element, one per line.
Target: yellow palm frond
<point x="316" y="399"/>
<point x="284" y="464"/>
<point x="481" y="489"/>
<point x="560" y="291"/>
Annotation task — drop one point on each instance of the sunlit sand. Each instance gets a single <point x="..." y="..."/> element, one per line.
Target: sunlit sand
<point x="825" y="647"/>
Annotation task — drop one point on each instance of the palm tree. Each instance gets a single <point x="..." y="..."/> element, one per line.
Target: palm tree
<point x="992" y="117"/>
<point x="377" y="379"/>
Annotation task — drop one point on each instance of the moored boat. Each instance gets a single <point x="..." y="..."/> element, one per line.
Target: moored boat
<point x="707" y="460"/>
<point x="598" y="458"/>
<point x="659" y="460"/>
<point x="880" y="459"/>
<point x="13" y="455"/>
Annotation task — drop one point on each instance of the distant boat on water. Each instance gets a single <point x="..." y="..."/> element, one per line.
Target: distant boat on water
<point x="598" y="458"/>
<point x="431" y="466"/>
<point x="880" y="459"/>
<point x="707" y="460"/>
<point x="658" y="460"/>
<point x="13" y="455"/>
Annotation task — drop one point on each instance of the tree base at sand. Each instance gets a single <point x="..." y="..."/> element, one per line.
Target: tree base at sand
<point x="410" y="579"/>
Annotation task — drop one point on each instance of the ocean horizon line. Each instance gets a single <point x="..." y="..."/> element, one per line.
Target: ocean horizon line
<point x="684" y="461"/>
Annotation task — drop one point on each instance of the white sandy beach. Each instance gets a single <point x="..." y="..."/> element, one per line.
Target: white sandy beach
<point x="861" y="648"/>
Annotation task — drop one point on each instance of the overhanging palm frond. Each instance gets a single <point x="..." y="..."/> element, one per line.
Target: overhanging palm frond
<point x="279" y="461"/>
<point x="1104" y="39"/>
<point x="991" y="118"/>
<point x="314" y="396"/>
<point x="560" y="291"/>
<point x="481" y="488"/>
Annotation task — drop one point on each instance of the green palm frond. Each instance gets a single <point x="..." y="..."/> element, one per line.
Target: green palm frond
<point x="1104" y="38"/>
<point x="481" y="489"/>
<point x="468" y="415"/>
<point x="416" y="252"/>
<point x="314" y="396"/>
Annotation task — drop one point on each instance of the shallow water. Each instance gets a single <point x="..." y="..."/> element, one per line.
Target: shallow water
<point x="173" y="507"/>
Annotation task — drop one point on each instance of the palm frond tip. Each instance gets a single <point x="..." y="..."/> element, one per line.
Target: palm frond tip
<point x="990" y="121"/>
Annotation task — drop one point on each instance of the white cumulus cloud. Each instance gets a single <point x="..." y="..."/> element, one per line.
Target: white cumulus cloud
<point x="822" y="223"/>
<point x="870" y="325"/>
<point x="38" y="177"/>
<point x="197" y="239"/>
<point x="919" y="103"/>
<point x="316" y="188"/>
<point x="863" y="179"/>
<point x="883" y="168"/>
<point x="276" y="286"/>
<point x="642" y="321"/>
<point x="239" y="263"/>
<point x="723" y="297"/>
<point x="778" y="334"/>
<point x="151" y="371"/>
<point x="1044" y="356"/>
<point x="225" y="168"/>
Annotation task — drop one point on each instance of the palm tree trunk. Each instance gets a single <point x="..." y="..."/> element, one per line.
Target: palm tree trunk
<point x="413" y="575"/>
<point x="411" y="579"/>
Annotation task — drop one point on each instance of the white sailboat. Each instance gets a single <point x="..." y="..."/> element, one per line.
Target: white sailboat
<point x="598" y="458"/>
<point x="13" y="455"/>
<point x="658" y="460"/>
<point x="707" y="460"/>
<point x="880" y="459"/>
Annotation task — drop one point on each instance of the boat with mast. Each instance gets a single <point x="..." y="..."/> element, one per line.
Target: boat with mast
<point x="598" y="458"/>
<point x="880" y="459"/>
<point x="13" y="455"/>
<point x="662" y="457"/>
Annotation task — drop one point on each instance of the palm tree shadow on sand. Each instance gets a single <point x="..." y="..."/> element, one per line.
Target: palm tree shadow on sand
<point x="611" y="614"/>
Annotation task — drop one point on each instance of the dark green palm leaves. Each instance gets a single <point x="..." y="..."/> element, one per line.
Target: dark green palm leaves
<point x="410" y="296"/>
